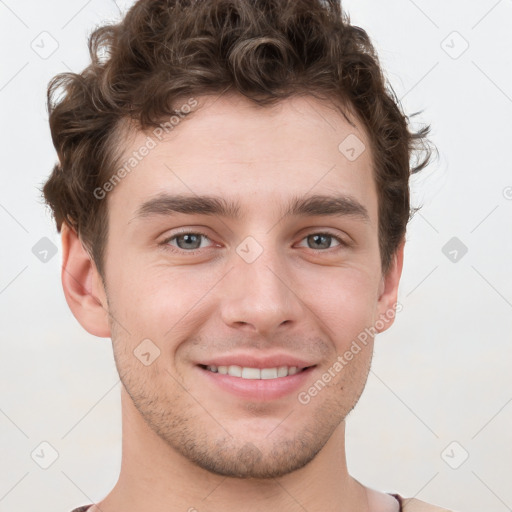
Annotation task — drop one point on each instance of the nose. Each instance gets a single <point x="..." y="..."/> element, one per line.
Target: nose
<point x="260" y="297"/>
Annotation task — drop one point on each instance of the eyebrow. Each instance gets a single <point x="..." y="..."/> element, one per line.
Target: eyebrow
<point x="315" y="205"/>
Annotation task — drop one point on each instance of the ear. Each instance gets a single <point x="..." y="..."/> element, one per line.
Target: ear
<point x="388" y="291"/>
<point x="82" y="284"/>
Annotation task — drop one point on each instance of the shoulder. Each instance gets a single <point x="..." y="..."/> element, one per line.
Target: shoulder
<point x="414" y="505"/>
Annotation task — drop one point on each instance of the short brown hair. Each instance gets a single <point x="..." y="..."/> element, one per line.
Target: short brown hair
<point x="267" y="50"/>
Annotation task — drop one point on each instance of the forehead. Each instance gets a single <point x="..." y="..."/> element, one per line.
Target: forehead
<point x="260" y="156"/>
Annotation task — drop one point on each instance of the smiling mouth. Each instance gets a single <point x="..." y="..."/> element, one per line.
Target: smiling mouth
<point x="246" y="372"/>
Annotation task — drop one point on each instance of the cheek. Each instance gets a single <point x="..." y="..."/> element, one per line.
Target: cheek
<point x="158" y="300"/>
<point x="346" y="302"/>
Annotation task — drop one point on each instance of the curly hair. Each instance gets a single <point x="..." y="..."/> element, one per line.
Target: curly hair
<point x="266" y="50"/>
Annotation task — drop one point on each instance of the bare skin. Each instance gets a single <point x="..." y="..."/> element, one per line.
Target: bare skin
<point x="188" y="444"/>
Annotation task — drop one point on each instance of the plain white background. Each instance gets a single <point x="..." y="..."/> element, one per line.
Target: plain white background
<point x="435" y="419"/>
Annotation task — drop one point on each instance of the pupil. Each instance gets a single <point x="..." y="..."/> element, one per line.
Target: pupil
<point x="189" y="238"/>
<point x="325" y="237"/>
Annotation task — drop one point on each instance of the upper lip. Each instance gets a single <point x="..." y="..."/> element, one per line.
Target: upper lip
<point x="253" y="361"/>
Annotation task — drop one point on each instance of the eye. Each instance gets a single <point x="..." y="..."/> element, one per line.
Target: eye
<point x="190" y="241"/>
<point x="187" y="241"/>
<point x="322" y="241"/>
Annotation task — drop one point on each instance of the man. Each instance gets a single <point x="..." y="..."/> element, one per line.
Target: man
<point x="263" y="135"/>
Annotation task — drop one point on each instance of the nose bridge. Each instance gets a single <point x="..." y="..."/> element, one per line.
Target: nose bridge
<point x="259" y="293"/>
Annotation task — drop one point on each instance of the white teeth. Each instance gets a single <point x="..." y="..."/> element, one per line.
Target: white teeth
<point x="254" y="373"/>
<point x="251" y="373"/>
<point x="282" y="371"/>
<point x="235" y="371"/>
<point x="269" y="373"/>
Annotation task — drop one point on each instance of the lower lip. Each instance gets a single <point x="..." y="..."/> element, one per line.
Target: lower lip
<point x="259" y="389"/>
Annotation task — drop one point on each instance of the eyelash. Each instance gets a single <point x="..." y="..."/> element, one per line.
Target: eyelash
<point x="173" y="249"/>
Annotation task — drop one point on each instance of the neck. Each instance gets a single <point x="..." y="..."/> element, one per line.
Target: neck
<point x="154" y="477"/>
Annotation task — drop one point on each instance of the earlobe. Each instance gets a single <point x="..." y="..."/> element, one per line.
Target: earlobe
<point x="83" y="287"/>
<point x="388" y="291"/>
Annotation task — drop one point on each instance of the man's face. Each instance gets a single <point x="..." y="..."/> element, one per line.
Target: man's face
<point x="264" y="284"/>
